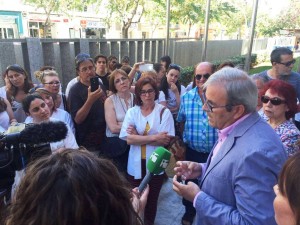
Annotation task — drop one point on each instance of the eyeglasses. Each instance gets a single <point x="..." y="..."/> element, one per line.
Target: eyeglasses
<point x="274" y="101"/>
<point x="86" y="69"/>
<point x="210" y="107"/>
<point x="287" y="64"/>
<point x="113" y="62"/>
<point x="174" y="66"/>
<point x="121" y="79"/>
<point x="149" y="91"/>
<point x="199" y="76"/>
<point x="54" y="83"/>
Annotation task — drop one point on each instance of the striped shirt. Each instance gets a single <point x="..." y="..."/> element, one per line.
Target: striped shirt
<point x="197" y="133"/>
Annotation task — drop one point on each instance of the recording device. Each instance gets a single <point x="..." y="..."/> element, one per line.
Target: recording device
<point x="94" y="83"/>
<point x="157" y="163"/>
<point x="19" y="148"/>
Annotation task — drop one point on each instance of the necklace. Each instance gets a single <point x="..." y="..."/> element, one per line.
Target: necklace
<point x="127" y="106"/>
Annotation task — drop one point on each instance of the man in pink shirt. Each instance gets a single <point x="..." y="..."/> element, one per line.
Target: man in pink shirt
<point x="236" y="182"/>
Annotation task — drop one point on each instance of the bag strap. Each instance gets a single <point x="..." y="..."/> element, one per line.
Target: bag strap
<point x="161" y="113"/>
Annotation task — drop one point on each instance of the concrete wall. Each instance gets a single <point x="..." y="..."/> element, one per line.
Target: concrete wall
<point x="33" y="53"/>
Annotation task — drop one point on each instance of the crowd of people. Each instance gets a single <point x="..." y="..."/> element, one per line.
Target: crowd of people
<point x="240" y="131"/>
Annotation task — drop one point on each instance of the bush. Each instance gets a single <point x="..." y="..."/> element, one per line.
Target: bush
<point x="239" y="61"/>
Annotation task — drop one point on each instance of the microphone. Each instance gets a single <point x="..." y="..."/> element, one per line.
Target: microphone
<point x="157" y="163"/>
<point x="38" y="133"/>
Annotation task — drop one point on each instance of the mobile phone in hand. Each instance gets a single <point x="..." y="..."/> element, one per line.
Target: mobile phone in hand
<point x="94" y="83"/>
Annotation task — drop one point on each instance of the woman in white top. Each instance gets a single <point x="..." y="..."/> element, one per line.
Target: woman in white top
<point x="116" y="106"/>
<point x="56" y="113"/>
<point x="145" y="131"/>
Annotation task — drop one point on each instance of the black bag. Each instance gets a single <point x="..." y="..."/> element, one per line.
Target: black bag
<point x="115" y="147"/>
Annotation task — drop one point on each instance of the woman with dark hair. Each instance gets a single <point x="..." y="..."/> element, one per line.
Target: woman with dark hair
<point x="165" y="61"/>
<point x="280" y="105"/>
<point x="287" y="191"/>
<point x="75" y="187"/>
<point x="173" y="90"/>
<point x="55" y="112"/>
<point x="146" y="127"/>
<point x="35" y="107"/>
<point x="115" y="107"/>
<point x="17" y="87"/>
<point x="161" y="72"/>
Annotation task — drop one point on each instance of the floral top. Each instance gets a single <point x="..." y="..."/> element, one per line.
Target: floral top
<point x="290" y="137"/>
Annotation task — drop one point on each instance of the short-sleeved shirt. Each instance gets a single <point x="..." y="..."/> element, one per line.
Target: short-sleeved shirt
<point x="135" y="117"/>
<point x="91" y="132"/>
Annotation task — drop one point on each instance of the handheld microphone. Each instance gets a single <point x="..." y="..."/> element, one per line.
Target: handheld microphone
<point x="157" y="163"/>
<point x="38" y="133"/>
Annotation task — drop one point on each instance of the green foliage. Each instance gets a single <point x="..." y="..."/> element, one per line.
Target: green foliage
<point x="187" y="73"/>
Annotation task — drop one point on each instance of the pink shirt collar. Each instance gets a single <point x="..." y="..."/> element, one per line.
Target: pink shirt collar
<point x="222" y="134"/>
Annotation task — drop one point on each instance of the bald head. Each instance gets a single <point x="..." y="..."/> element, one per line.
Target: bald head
<point x="204" y="67"/>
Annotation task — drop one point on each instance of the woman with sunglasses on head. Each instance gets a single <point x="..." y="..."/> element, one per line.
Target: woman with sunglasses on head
<point x="17" y="87"/>
<point x="173" y="90"/>
<point x="280" y="105"/>
<point x="56" y="113"/>
<point x="287" y="201"/>
<point x="144" y="131"/>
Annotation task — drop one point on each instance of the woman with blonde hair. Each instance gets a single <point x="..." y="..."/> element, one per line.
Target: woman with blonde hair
<point x="51" y="82"/>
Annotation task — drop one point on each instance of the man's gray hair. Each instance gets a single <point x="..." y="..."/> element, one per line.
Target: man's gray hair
<point x="240" y="88"/>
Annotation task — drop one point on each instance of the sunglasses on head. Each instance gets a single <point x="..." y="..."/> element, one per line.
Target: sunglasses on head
<point x="274" y="101"/>
<point x="287" y="64"/>
<point x="199" y="76"/>
<point x="81" y="57"/>
<point x="174" y="66"/>
<point x="15" y="67"/>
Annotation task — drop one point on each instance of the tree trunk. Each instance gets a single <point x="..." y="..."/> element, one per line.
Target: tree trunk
<point x="125" y="32"/>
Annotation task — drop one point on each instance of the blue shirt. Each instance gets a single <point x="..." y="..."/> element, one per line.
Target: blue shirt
<point x="197" y="133"/>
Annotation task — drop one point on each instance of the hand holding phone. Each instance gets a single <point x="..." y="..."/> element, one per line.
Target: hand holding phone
<point x="94" y="83"/>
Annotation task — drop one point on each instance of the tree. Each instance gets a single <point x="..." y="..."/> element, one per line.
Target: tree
<point x="126" y="12"/>
<point x="56" y="6"/>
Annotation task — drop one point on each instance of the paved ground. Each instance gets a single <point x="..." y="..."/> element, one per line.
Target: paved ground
<point x="170" y="209"/>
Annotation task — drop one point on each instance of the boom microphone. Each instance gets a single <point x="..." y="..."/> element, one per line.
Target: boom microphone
<point x="157" y="163"/>
<point x="38" y="133"/>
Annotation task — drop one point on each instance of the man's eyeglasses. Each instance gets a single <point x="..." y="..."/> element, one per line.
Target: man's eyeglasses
<point x="54" y="83"/>
<point x="174" y="66"/>
<point x="210" y="107"/>
<point x="150" y="91"/>
<point x="287" y="64"/>
<point x="274" y="101"/>
<point x="86" y="69"/>
<point x="200" y="76"/>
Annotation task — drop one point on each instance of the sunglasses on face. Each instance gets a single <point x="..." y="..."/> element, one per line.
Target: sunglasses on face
<point x="274" y="101"/>
<point x="287" y="64"/>
<point x="199" y="76"/>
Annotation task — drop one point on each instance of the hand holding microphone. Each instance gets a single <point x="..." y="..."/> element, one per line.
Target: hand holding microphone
<point x="157" y="163"/>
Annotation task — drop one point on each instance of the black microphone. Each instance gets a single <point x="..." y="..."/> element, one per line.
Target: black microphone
<point x="38" y="133"/>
